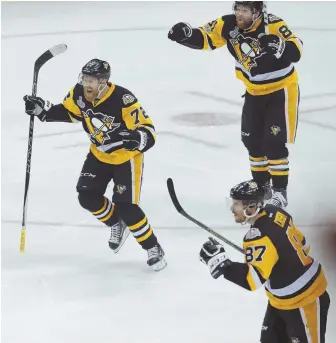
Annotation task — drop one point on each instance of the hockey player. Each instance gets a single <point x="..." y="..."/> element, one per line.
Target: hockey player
<point x="120" y="132"/>
<point x="276" y="256"/>
<point x="265" y="64"/>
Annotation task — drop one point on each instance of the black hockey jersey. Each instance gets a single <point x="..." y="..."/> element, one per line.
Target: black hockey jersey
<point x="118" y="109"/>
<point x="260" y="72"/>
<point x="277" y="256"/>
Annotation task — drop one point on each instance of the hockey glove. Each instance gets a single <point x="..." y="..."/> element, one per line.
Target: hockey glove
<point x="134" y="139"/>
<point x="272" y="44"/>
<point x="180" y="32"/>
<point x="214" y="256"/>
<point x="37" y="106"/>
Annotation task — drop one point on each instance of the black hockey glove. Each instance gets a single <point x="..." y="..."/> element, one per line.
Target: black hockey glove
<point x="272" y="44"/>
<point x="37" y="106"/>
<point x="180" y="32"/>
<point x="214" y="256"/>
<point x="134" y="139"/>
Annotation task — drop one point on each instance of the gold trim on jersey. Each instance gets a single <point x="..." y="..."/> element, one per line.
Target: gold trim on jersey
<point x="136" y="171"/>
<point x="69" y="104"/>
<point x="260" y="84"/>
<point x="316" y="289"/>
<point x="274" y="29"/>
<point x="267" y="88"/>
<point x="310" y="315"/>
<point x="263" y="262"/>
<point x="253" y="278"/>
<point x="116" y="157"/>
<point x="212" y="34"/>
<point x="106" y="96"/>
<point x="297" y="42"/>
<point x="292" y="98"/>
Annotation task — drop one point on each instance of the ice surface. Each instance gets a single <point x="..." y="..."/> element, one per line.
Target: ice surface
<point x="68" y="286"/>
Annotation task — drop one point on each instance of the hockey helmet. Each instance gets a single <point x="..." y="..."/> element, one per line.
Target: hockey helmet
<point x="249" y="192"/>
<point x="95" y="67"/>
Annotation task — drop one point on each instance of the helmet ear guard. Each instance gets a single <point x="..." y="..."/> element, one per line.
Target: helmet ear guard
<point x="253" y="203"/>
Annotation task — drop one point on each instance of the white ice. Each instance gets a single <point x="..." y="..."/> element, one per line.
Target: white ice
<point x="68" y="286"/>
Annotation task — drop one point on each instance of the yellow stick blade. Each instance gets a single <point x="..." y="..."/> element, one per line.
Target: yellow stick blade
<point x="23" y="240"/>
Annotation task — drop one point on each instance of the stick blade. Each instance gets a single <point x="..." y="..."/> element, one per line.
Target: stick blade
<point x="58" y="49"/>
<point x="171" y="190"/>
<point x="50" y="53"/>
<point x="23" y="240"/>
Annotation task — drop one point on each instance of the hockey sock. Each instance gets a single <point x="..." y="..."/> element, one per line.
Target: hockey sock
<point x="259" y="169"/>
<point x="279" y="170"/>
<point x="137" y="222"/>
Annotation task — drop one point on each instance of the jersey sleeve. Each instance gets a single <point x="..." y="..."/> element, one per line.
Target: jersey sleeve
<point x="294" y="45"/>
<point x="66" y="112"/>
<point x="260" y="258"/>
<point x="212" y="34"/>
<point x="135" y="117"/>
<point x="73" y="111"/>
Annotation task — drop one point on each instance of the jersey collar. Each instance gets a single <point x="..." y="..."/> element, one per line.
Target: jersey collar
<point x="106" y="96"/>
<point x="255" y="25"/>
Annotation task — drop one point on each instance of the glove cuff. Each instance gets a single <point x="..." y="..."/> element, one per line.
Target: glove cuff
<point x="281" y="49"/>
<point x="217" y="261"/>
<point x="47" y="105"/>
<point x="187" y="31"/>
<point x="143" y="140"/>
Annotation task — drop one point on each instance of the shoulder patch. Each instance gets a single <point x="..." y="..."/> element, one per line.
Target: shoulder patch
<point x="273" y="18"/>
<point x="128" y="99"/>
<point x="209" y="27"/>
<point x="280" y="219"/>
<point x="252" y="233"/>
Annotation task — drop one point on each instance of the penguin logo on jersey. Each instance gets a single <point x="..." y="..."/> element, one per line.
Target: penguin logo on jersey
<point x="121" y="189"/>
<point x="100" y="126"/>
<point x="275" y="130"/>
<point x="247" y="50"/>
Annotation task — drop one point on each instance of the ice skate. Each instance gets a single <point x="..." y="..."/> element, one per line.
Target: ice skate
<point x="279" y="198"/>
<point x="156" y="258"/>
<point x="268" y="191"/>
<point x="119" y="234"/>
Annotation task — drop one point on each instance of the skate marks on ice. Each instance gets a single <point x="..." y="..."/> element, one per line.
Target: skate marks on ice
<point x="130" y="29"/>
<point x="98" y="227"/>
<point x="222" y="117"/>
<point x="205" y="143"/>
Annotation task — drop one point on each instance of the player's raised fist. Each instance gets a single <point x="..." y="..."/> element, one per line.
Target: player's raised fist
<point x="180" y="32"/>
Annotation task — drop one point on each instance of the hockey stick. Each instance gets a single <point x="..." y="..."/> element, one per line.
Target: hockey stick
<point x="180" y="210"/>
<point x="265" y="15"/>
<point x="45" y="57"/>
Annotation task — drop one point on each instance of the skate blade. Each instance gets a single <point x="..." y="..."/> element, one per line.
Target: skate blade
<point x="123" y="240"/>
<point x="159" y="265"/>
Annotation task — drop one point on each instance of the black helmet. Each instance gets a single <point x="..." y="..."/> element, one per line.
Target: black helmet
<point x="258" y="5"/>
<point x="249" y="192"/>
<point x="98" y="68"/>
